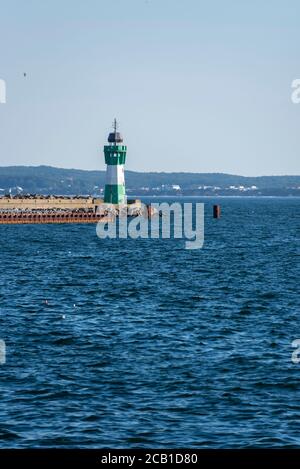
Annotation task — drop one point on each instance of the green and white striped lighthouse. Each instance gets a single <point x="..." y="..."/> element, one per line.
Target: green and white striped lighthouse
<point x="115" y="156"/>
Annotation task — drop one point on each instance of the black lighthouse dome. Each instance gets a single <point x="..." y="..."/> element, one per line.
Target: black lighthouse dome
<point x="115" y="136"/>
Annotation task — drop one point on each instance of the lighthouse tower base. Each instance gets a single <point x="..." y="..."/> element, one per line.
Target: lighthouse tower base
<point x="115" y="184"/>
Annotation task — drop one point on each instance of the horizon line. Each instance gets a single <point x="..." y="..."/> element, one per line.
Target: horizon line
<point x="149" y="172"/>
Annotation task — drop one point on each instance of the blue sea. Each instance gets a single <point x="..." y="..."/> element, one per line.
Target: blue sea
<point x="127" y="343"/>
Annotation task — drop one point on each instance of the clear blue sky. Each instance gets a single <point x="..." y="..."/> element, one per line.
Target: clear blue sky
<point x="200" y="86"/>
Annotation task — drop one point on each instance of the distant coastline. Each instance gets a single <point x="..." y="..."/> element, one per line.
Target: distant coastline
<point x="58" y="181"/>
<point x="216" y="196"/>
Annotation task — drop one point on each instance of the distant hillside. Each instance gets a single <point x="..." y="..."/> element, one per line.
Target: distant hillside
<point x="49" y="180"/>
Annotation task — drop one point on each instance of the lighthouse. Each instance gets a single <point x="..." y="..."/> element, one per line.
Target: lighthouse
<point x="115" y="156"/>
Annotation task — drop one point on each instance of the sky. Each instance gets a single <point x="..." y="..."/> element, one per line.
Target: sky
<point x="197" y="86"/>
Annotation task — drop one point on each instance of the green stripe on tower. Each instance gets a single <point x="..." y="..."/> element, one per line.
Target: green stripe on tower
<point x="115" y="154"/>
<point x="114" y="194"/>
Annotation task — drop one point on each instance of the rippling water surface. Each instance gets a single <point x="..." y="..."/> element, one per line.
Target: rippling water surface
<point x="126" y="343"/>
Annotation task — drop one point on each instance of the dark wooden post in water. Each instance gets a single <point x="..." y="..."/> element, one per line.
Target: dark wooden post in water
<point x="216" y="211"/>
